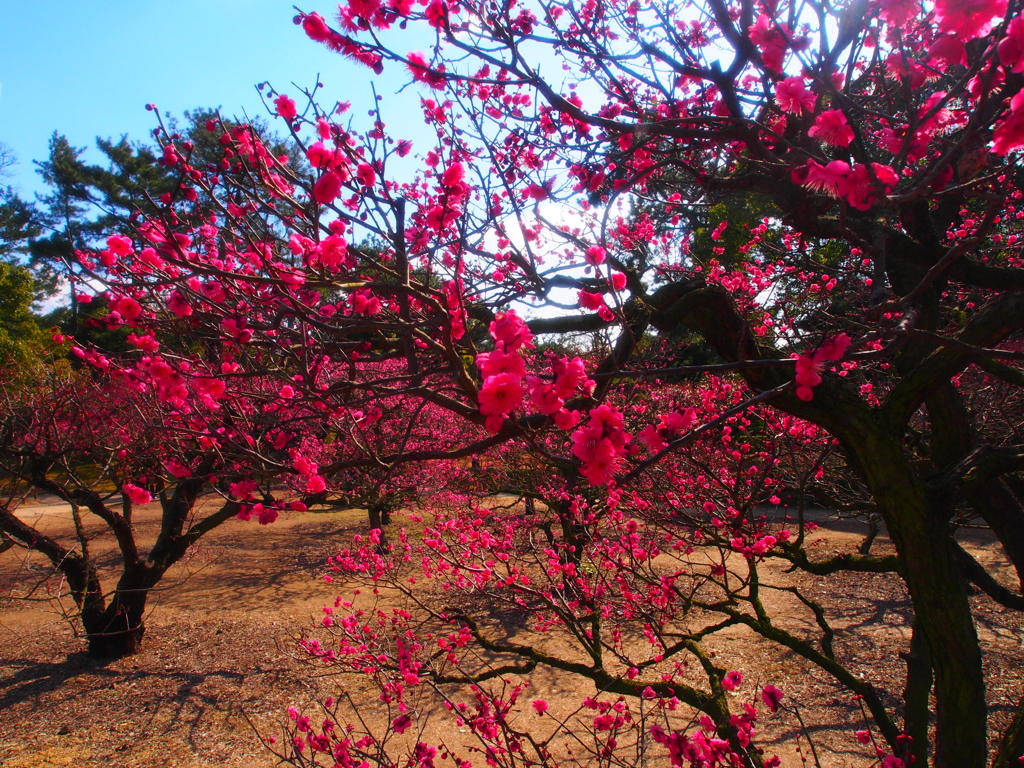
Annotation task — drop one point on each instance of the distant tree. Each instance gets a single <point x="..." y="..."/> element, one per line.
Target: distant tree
<point x="86" y="202"/>
<point x="19" y="220"/>
<point x="66" y="217"/>
<point x="20" y="335"/>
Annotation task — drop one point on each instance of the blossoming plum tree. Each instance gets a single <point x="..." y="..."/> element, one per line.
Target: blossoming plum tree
<point x="570" y="145"/>
<point x="79" y="440"/>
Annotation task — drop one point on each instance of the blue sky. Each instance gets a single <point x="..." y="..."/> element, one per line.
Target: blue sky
<point x="88" y="69"/>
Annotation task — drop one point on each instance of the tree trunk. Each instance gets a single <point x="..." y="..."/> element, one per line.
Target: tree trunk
<point x="869" y="538"/>
<point x="1011" y="747"/>
<point x="915" y="699"/>
<point x="939" y="594"/>
<point x="379" y="514"/>
<point x="117" y="630"/>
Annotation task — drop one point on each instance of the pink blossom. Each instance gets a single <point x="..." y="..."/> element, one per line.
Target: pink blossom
<point x="732" y="680"/>
<point x="536" y="192"/>
<point x="832" y="128"/>
<point x="119" y="245"/>
<point x="763" y="544"/>
<point x="499" y="361"/>
<point x="332" y="253"/>
<point x="364" y="8"/>
<point x="823" y="178"/>
<point x="366" y="175"/>
<point x="316" y="28"/>
<point x="508" y="329"/>
<point x="540" y="706"/>
<point x="857" y="186"/>
<point x="1009" y="134"/>
<point x="544" y="399"/>
<point x="453" y="175"/>
<point x="127" y="307"/>
<point x="793" y="97"/>
<point x="600" y="469"/>
<point x="265" y="515"/>
<point x="136" y="494"/>
<point x="770" y="41"/>
<point x="618" y="281"/>
<point x="898" y="12"/>
<point x="285" y="107"/>
<point x="500" y="395"/>
<point x="320" y="156"/>
<point x="440" y="216"/>
<point x="566" y="419"/>
<point x="671" y="426"/>
<point x="590" y="300"/>
<point x="968" y="18"/>
<point x="595" y="255"/>
<point x="304" y="465"/>
<point x="833" y="349"/>
<point x="177" y="469"/>
<point x="772" y="697"/>
<point x="569" y="376"/>
<point x="236" y="328"/>
<point x="365" y="303"/>
<point x="242" y="490"/>
<point x="422" y="72"/>
<point x="315" y="484"/>
<point x="589" y="444"/>
<point x="599" y="444"/>
<point x="179" y="305"/>
<point x="436" y="13"/>
<point x="211" y="387"/>
<point x="677" y="422"/>
<point x="327" y="188"/>
<point x="949" y="50"/>
<point x="808" y="367"/>
<point x="651" y="438"/>
<point x="1011" y="47"/>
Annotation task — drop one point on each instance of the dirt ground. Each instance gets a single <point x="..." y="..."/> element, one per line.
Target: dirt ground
<point x="219" y="664"/>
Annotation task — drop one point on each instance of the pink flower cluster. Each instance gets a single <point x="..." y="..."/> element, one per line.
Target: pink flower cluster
<point x="1009" y="134"/>
<point x="808" y="367"/>
<point x="595" y="301"/>
<point x="137" y="494"/>
<point x="792" y="96"/>
<point x="968" y="18"/>
<point x="506" y="383"/>
<point x="671" y="426"/>
<point x="838" y="179"/>
<point x="831" y="128"/>
<point x="704" y="748"/>
<point x="600" y="444"/>
<point x="772" y="41"/>
<point x="503" y="369"/>
<point x="422" y="72"/>
<point x="309" y="470"/>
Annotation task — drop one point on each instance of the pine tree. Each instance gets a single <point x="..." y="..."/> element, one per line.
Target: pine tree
<point x="19" y="220"/>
